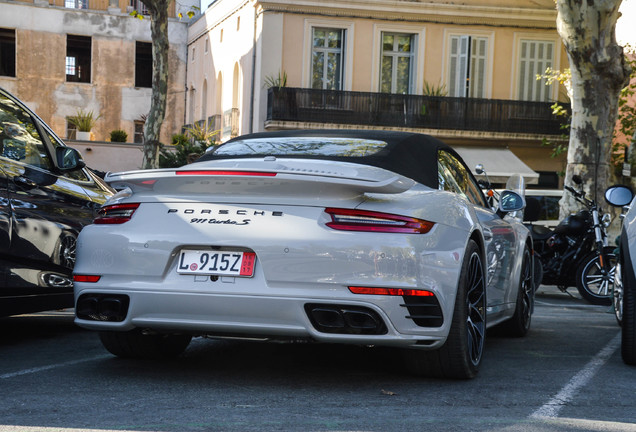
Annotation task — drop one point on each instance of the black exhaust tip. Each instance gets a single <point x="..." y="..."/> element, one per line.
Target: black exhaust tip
<point x="101" y="307"/>
<point x="328" y="318"/>
<point x="345" y="319"/>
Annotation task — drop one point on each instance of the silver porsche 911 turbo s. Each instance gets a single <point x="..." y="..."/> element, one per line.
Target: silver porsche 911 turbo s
<point x="355" y="237"/>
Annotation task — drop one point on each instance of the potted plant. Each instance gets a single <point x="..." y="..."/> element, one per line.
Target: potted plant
<point x="84" y="121"/>
<point x="118" y="135"/>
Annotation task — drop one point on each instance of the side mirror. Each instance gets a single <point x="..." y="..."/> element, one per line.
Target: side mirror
<point x="510" y="201"/>
<point x="619" y="195"/>
<point x="68" y="159"/>
<point x="479" y="169"/>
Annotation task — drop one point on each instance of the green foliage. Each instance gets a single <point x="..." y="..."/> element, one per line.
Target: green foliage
<point x="84" y="121"/>
<point x="186" y="149"/>
<point x="279" y="81"/>
<point x="622" y="141"/>
<point x="561" y="146"/>
<point x="201" y="132"/>
<point x="434" y="89"/>
<point x="118" y="135"/>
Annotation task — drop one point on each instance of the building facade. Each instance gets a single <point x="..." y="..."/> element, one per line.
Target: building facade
<point x="463" y="72"/>
<point x="60" y="56"/>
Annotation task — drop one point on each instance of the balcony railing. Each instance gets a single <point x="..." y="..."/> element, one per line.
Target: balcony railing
<point x="411" y="111"/>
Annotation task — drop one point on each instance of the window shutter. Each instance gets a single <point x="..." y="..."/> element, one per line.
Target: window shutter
<point x="458" y="65"/>
<point x="535" y="57"/>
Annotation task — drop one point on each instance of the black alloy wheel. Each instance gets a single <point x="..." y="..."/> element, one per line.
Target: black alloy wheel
<point x="461" y="354"/>
<point x="476" y="305"/>
<point x="519" y="324"/>
<point x="66" y="247"/>
<point x="628" y="334"/>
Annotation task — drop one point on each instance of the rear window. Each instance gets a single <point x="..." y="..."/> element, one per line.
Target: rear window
<point x="301" y="146"/>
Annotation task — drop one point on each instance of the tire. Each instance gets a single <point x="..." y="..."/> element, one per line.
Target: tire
<point x="592" y="286"/>
<point x="519" y="324"/>
<point x="461" y="354"/>
<point x="136" y="344"/>
<point x="628" y="342"/>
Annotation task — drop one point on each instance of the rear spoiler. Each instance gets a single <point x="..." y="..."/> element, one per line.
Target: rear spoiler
<point x="191" y="180"/>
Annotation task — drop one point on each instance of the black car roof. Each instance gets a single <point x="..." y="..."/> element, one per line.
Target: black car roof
<point x="412" y="155"/>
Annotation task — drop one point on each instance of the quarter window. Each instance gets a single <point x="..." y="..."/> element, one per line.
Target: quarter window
<point x="468" y="55"/>
<point x="534" y="58"/>
<point x="327" y="58"/>
<point x="456" y="178"/>
<point x="78" y="58"/>
<point x="7" y="52"/>
<point x="398" y="52"/>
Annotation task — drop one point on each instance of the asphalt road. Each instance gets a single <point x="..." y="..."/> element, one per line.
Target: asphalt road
<point x="567" y="375"/>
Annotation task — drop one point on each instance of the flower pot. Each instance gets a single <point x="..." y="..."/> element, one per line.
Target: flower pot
<point x="83" y="136"/>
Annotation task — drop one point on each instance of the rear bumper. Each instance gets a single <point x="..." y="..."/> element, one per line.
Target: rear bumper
<point x="265" y="317"/>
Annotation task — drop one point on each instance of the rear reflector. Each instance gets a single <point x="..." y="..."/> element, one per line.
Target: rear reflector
<point x="226" y="173"/>
<point x="362" y="220"/>
<point x="116" y="213"/>
<point x="86" y="278"/>
<point x="390" y="291"/>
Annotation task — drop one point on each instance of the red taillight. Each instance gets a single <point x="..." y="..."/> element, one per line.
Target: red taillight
<point x="226" y="173"/>
<point x="86" y="278"/>
<point x="116" y="213"/>
<point x="390" y="291"/>
<point x="362" y="220"/>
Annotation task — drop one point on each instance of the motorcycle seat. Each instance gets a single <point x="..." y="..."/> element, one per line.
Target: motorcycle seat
<point x="540" y="232"/>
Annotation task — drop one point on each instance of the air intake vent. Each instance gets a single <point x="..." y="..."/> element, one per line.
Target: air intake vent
<point x="424" y="311"/>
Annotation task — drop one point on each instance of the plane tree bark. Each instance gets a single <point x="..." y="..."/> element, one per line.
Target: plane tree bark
<point x="599" y="72"/>
<point x="160" y="47"/>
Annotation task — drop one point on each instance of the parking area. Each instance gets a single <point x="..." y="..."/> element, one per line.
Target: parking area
<point x="567" y="375"/>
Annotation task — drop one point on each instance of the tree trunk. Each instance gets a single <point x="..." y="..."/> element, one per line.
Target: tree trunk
<point x="160" y="46"/>
<point x="599" y="72"/>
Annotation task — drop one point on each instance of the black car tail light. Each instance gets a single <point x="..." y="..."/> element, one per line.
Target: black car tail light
<point x="369" y="221"/>
<point x="115" y="213"/>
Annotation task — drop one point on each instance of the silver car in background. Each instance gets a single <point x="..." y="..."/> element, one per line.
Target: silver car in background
<point x="353" y="237"/>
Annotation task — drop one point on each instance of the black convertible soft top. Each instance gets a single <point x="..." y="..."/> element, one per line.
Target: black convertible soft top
<point x="409" y="154"/>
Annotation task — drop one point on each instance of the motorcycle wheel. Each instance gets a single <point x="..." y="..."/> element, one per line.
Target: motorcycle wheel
<point x="592" y="286"/>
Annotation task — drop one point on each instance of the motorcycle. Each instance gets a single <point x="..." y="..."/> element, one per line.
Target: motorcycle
<point x="576" y="253"/>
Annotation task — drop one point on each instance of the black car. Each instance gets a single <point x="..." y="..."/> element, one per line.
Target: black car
<point x="47" y="196"/>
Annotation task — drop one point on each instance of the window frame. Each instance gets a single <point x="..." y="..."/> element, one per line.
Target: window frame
<point x="6" y="43"/>
<point x="81" y="62"/>
<point x="417" y="79"/>
<point x="488" y="60"/>
<point x="76" y="4"/>
<point x="325" y="52"/>
<point x="395" y="56"/>
<point x="346" y="81"/>
<point x="143" y="74"/>
<point x="518" y="39"/>
<point x="138" y="131"/>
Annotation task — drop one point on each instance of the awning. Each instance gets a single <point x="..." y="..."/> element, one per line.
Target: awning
<point x="498" y="163"/>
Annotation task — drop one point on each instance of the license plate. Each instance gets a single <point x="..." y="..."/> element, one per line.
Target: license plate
<point x="222" y="263"/>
